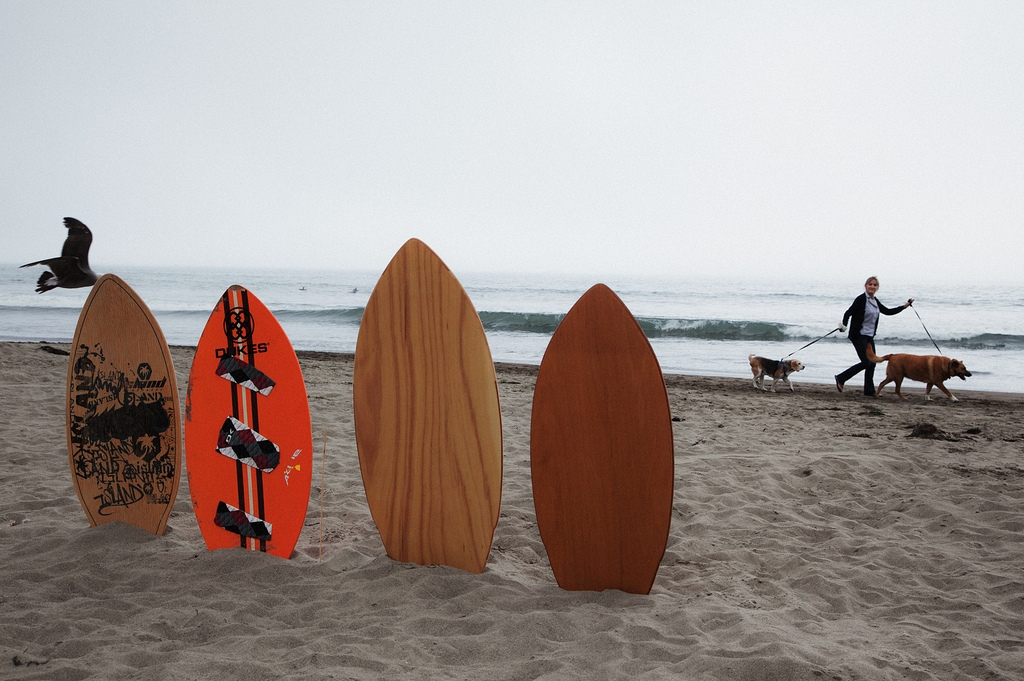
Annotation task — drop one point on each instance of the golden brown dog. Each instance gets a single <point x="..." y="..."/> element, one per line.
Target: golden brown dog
<point x="928" y="369"/>
<point x="762" y="366"/>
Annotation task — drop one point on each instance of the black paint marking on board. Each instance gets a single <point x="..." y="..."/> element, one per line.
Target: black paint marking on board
<point x="118" y="420"/>
<point x="239" y="330"/>
<point x="255" y="408"/>
<point x="239" y="466"/>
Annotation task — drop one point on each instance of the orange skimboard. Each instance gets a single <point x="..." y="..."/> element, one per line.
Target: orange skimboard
<point x="601" y="451"/>
<point x="124" y="429"/>
<point x="248" y="438"/>
<point x="427" y="421"/>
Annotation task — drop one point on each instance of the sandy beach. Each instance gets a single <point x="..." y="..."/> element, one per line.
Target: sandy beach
<point x="815" y="536"/>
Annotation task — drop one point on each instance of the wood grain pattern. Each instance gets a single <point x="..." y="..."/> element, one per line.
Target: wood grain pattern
<point x="123" y="422"/>
<point x="427" y="420"/>
<point x="601" y="451"/>
<point x="242" y="328"/>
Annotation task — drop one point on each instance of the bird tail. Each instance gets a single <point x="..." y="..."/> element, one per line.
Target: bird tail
<point x="47" y="281"/>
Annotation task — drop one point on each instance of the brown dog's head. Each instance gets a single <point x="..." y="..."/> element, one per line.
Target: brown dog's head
<point x="957" y="368"/>
<point x="796" y="365"/>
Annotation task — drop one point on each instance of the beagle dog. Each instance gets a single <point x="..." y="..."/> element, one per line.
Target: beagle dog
<point x="776" y="368"/>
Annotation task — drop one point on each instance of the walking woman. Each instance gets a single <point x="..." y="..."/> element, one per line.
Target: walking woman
<point x="863" y="318"/>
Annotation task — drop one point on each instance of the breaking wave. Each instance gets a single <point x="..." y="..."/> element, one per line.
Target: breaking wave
<point x="545" y="324"/>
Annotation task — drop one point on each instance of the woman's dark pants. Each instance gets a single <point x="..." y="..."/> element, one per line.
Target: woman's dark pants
<point x="861" y="343"/>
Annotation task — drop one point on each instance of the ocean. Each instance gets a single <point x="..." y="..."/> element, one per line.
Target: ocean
<point x="704" y="327"/>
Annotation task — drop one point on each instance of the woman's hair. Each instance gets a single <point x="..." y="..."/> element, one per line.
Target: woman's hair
<point x="870" y="279"/>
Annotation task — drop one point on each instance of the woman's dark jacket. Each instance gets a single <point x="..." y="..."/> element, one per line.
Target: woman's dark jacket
<point x="856" y="313"/>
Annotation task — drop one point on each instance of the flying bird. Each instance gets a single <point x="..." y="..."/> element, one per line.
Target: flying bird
<point x="71" y="269"/>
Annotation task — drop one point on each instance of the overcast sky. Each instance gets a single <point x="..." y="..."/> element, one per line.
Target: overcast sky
<point x="689" y="138"/>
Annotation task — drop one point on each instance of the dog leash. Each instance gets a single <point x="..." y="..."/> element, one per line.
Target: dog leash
<point x="811" y="343"/>
<point x="926" y="329"/>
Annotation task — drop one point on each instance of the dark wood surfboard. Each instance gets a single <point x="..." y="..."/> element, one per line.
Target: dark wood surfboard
<point x="427" y="420"/>
<point x="248" y="438"/>
<point x="123" y="422"/>
<point x="601" y="452"/>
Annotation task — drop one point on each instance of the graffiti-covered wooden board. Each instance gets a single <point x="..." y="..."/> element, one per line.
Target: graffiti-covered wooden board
<point x="248" y="440"/>
<point x="428" y="426"/>
<point x="124" y="428"/>
<point x="601" y="450"/>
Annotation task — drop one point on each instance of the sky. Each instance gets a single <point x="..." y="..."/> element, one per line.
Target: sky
<point x="696" y="139"/>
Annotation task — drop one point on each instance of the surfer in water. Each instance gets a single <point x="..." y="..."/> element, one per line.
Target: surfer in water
<point x="863" y="318"/>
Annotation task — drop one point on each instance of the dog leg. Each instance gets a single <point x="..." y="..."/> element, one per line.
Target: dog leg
<point x="774" y="381"/>
<point x="758" y="377"/>
<point x="944" y="389"/>
<point x="878" y="390"/>
<point x="899" y="393"/>
<point x="790" y="384"/>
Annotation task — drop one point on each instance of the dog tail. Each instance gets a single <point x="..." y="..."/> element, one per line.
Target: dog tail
<point x="875" y="358"/>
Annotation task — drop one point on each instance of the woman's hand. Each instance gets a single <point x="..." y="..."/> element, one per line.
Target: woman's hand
<point x="910" y="301"/>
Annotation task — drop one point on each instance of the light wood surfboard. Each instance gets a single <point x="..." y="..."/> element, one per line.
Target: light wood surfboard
<point x="123" y="420"/>
<point x="248" y="438"/>
<point x="427" y="420"/>
<point x="601" y="452"/>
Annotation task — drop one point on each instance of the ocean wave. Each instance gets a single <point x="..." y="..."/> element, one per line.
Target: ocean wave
<point x="743" y="330"/>
<point x="542" y="323"/>
<point x="653" y="327"/>
<point x="38" y="309"/>
<point x="983" y="341"/>
<point x="716" y="329"/>
<point x="339" y="315"/>
<point x="992" y="340"/>
<point x="520" y="322"/>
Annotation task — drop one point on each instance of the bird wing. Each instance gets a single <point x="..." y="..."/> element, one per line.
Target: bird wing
<point x="64" y="266"/>
<point x="78" y="242"/>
